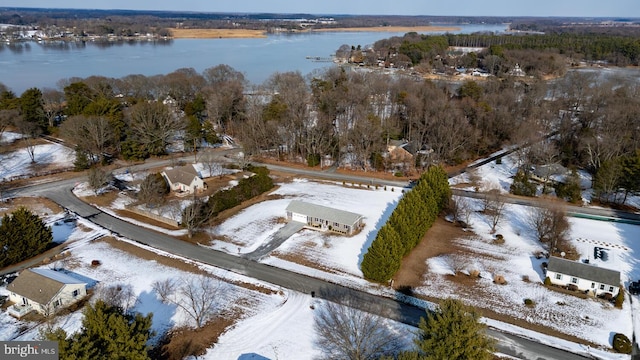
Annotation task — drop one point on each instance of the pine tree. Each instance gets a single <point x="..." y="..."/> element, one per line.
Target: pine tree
<point x="453" y="332"/>
<point x="22" y="235"/>
<point x="522" y="185"/>
<point x="382" y="260"/>
<point x="107" y="333"/>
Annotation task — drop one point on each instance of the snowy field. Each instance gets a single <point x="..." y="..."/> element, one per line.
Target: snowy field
<point x="275" y="325"/>
<point x="337" y="258"/>
<point x="48" y="157"/>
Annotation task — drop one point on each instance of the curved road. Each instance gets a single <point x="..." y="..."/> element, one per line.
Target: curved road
<point x="60" y="192"/>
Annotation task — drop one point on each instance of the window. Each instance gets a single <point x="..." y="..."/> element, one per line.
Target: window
<point x="57" y="303"/>
<point x="610" y="289"/>
<point x="558" y="276"/>
<point x="593" y="285"/>
<point x="336" y="224"/>
<point x="601" y="287"/>
<point x="574" y="280"/>
<point x="75" y="293"/>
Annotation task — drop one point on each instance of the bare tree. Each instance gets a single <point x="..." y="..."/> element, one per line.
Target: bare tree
<point x="195" y="295"/>
<point x="211" y="162"/>
<point x="6" y="119"/>
<point x="153" y="190"/>
<point x="119" y="295"/>
<point x="344" y="332"/>
<point x="550" y="224"/>
<point x="98" y="178"/>
<point x="53" y="101"/>
<point x="195" y="216"/>
<point x="92" y="135"/>
<point x="462" y="210"/>
<point x="154" y="125"/>
<point x="494" y="205"/>
<point x="30" y="132"/>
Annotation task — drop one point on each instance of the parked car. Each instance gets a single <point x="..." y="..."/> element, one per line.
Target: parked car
<point x="634" y="288"/>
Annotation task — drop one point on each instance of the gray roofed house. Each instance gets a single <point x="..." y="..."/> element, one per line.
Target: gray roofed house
<point x="585" y="277"/>
<point x="184" y="179"/>
<point x="324" y="217"/>
<point x="44" y="291"/>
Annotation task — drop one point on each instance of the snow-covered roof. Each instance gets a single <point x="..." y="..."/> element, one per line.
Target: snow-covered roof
<point x="323" y="212"/>
<point x="584" y="271"/>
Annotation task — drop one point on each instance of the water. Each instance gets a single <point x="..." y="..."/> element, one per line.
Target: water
<point x="42" y="65"/>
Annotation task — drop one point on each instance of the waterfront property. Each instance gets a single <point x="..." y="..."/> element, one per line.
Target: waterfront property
<point x="43" y="290"/>
<point x="590" y="279"/>
<point x="324" y="217"/>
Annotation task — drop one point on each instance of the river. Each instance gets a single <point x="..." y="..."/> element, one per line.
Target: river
<point x="32" y="64"/>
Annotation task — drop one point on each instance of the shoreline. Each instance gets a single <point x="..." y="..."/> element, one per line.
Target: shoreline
<point x="254" y="34"/>
<point x="217" y="33"/>
<point x="404" y="29"/>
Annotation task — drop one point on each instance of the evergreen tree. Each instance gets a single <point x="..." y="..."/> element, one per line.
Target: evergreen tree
<point x="382" y="260"/>
<point x="453" y="332"/>
<point x="22" y="235"/>
<point x="570" y="190"/>
<point x="32" y="108"/>
<point x="107" y="333"/>
<point x="522" y="185"/>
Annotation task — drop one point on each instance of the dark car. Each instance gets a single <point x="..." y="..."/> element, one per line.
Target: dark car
<point x="634" y="288"/>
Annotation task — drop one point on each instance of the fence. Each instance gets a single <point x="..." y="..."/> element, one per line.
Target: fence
<point x="149" y="214"/>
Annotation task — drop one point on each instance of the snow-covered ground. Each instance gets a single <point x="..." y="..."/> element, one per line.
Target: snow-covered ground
<point x="48" y="157"/>
<point x="337" y="258"/>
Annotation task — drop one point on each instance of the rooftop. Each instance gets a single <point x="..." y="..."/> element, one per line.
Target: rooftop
<point x="323" y="212"/>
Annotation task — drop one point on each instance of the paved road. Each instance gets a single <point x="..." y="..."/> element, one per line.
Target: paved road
<point x="391" y="308"/>
<point x="572" y="210"/>
<point x="59" y="191"/>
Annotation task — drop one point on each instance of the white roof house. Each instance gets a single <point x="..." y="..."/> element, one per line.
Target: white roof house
<point x="44" y="291"/>
<point x="324" y="217"/>
<point x="588" y="278"/>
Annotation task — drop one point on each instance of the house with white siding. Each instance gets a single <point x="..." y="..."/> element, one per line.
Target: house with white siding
<point x="45" y="291"/>
<point x="184" y="179"/>
<point x="596" y="281"/>
<point x="324" y="218"/>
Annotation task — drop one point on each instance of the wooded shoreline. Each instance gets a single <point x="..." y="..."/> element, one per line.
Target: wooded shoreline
<point x="247" y="33"/>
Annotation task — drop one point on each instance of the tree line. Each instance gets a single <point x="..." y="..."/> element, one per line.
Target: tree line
<point x="348" y="119"/>
<point x="417" y="210"/>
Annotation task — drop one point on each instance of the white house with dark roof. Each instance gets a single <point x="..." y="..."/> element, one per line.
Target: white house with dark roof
<point x="44" y="291"/>
<point x="184" y="179"/>
<point x="598" y="281"/>
<point x="324" y="217"/>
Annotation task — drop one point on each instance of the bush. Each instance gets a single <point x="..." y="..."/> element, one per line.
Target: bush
<point x="313" y="160"/>
<point x="529" y="302"/>
<point x="499" y="239"/>
<point x="622" y="344"/>
<point x="620" y="298"/>
<point x="547" y="281"/>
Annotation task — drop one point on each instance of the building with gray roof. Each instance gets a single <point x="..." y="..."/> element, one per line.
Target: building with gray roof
<point x="585" y="277"/>
<point x="44" y="291"/>
<point x="324" y="217"/>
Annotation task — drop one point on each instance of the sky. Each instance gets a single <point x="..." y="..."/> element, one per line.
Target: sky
<point x="575" y="8"/>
